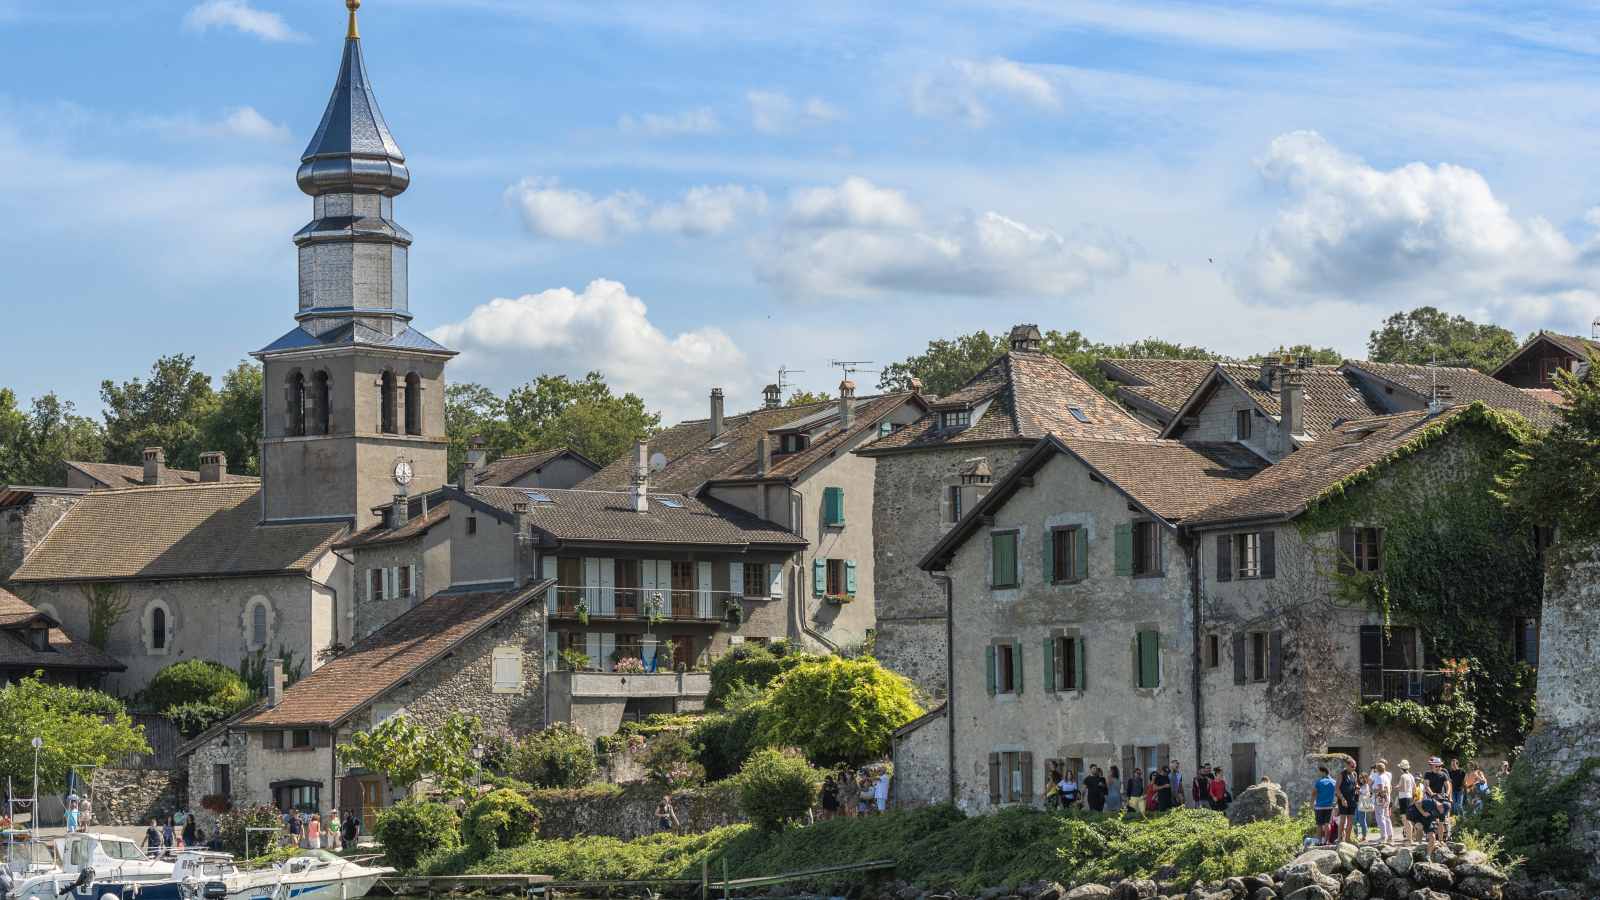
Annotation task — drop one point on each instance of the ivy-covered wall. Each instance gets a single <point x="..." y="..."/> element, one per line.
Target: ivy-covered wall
<point x="1457" y="566"/>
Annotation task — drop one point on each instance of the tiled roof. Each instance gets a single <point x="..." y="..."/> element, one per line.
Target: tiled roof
<point x="1174" y="479"/>
<point x="1466" y="385"/>
<point x="388" y="656"/>
<point x="1162" y="383"/>
<point x="1032" y="394"/>
<point x="507" y="469"/>
<point x="1570" y="344"/>
<point x="378" y="534"/>
<point x="1546" y="395"/>
<point x="168" y="532"/>
<point x="117" y="477"/>
<point x="1330" y="396"/>
<point x="583" y="515"/>
<point x="352" y="333"/>
<point x="64" y="653"/>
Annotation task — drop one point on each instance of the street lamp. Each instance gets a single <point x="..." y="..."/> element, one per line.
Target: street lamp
<point x="34" y="815"/>
<point x="477" y="759"/>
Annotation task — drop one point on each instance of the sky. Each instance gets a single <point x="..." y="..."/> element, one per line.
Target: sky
<point x="688" y="195"/>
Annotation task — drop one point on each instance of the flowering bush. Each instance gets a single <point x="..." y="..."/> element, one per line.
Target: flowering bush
<point x="630" y="665"/>
<point x="560" y="756"/>
<point x="217" y="803"/>
<point x="616" y="743"/>
<point x="498" y="744"/>
<point x="670" y="761"/>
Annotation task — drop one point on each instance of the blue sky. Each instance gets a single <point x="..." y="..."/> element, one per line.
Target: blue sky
<point x="689" y="195"/>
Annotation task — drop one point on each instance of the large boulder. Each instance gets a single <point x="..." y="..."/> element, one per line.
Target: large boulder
<point x="1258" y="803"/>
<point x="1326" y="859"/>
<point x="1470" y="858"/>
<point x="1347" y="853"/>
<point x="1049" y="890"/>
<point x="1479" y="888"/>
<point x="1400" y="863"/>
<point x="1399" y="889"/>
<point x="1355" y="887"/>
<point x="1089" y="892"/>
<point x="1366" y="856"/>
<point x="1298" y="875"/>
<point x="1265" y="893"/>
<point x="1310" y="892"/>
<point x="1432" y="876"/>
<point x="1254" y="883"/>
<point x="1142" y="889"/>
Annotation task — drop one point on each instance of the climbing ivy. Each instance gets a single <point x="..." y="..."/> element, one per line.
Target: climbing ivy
<point x="1456" y="563"/>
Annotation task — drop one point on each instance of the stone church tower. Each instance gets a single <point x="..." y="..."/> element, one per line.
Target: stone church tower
<point x="354" y="390"/>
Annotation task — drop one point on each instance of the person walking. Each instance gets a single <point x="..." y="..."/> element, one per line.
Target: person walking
<point x="85" y="813"/>
<point x="1326" y="791"/>
<point x="152" y="839"/>
<point x="849" y="794"/>
<point x="1383" y="800"/>
<point x="666" y="816"/>
<point x="1052" y="794"/>
<point x="1349" y="794"/>
<point x="191" y="832"/>
<point x="1404" y="792"/>
<point x="169" y="835"/>
<point x="294" y="827"/>
<point x="1220" y="798"/>
<point x="72" y="815"/>
<point x="335" y="831"/>
<point x="352" y="829"/>
<point x="1200" y="789"/>
<point x="1163" y="785"/>
<point x="1135" y="791"/>
<point x="1436" y="781"/>
<point x="1114" y="797"/>
<point x="1069" y="789"/>
<point x="314" y="832"/>
<point x="1094" y="789"/>
<point x="1175" y="780"/>
<point x="1477" y="788"/>
<point x="830" y="798"/>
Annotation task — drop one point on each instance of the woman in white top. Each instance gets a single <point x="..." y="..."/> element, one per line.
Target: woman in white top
<point x="1382" y="797"/>
<point x="1404" y="788"/>
<point x="1069" y="790"/>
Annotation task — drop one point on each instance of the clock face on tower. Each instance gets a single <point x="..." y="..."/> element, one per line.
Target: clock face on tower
<point x="402" y="472"/>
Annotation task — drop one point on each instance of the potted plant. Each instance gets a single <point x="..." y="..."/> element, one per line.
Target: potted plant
<point x="629" y="665"/>
<point x="575" y="659"/>
<point x="839" y="598"/>
<point x="733" y="611"/>
<point x="217" y="803"/>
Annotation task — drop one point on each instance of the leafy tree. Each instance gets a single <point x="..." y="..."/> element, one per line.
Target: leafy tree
<point x="232" y="422"/>
<point x="163" y="412"/>
<point x="554" y="411"/>
<point x="1327" y="356"/>
<point x="249" y="844"/>
<point x="802" y="398"/>
<point x="194" y="681"/>
<point x="413" y="828"/>
<point x="776" y="786"/>
<point x="726" y="742"/>
<point x="499" y="819"/>
<point x="34" y="442"/>
<point x="1555" y="475"/>
<point x="838" y="709"/>
<point x="405" y="754"/>
<point x="1426" y="333"/>
<point x="560" y="756"/>
<point x="468" y="410"/>
<point x="746" y="665"/>
<point x="1533" y="811"/>
<point x="70" y="721"/>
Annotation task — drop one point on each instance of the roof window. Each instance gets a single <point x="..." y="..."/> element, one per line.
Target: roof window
<point x="718" y="448"/>
<point x="1078" y="414"/>
<point x="537" y="497"/>
<point x="671" y="503"/>
<point x="956" y="418"/>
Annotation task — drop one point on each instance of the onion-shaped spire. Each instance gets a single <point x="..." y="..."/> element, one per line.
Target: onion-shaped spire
<point x="353" y="151"/>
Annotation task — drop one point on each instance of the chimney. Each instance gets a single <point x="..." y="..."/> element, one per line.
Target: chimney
<point x="464" y="478"/>
<point x="847" y="405"/>
<point x="772" y="397"/>
<point x="1026" y="338"/>
<point x="716" y="411"/>
<point x="1291" y="406"/>
<point x="155" y="462"/>
<point x="477" y="453"/>
<point x="400" y="513"/>
<point x="915" y="384"/>
<point x="763" y="457"/>
<point x="213" y="466"/>
<point x="1441" y="400"/>
<point x="1269" y="367"/>
<point x="275" y="683"/>
<point x="641" y="476"/>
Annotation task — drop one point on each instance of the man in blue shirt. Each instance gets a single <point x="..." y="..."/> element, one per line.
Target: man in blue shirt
<point x="1327" y="793"/>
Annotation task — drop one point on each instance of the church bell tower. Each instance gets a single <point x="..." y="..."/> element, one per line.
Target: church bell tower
<point x="353" y="391"/>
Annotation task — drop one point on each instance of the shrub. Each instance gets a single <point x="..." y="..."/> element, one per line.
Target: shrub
<point x="498" y="819"/>
<point x="776" y="786"/>
<point x="1532" y="812"/>
<point x="838" y="709"/>
<point x="726" y="742"/>
<point x="193" y="719"/>
<point x="748" y="664"/>
<point x="557" y="757"/>
<point x="233" y="825"/>
<point x="413" y="828"/>
<point x="669" y="758"/>
<point x="195" y="681"/>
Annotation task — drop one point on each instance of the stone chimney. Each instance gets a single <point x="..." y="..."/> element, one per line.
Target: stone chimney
<point x="915" y="384"/>
<point x="477" y="453"/>
<point x="716" y="412"/>
<point x="400" y="512"/>
<point x="1026" y="338"/>
<point x="1269" y="368"/>
<point x="213" y="466"/>
<point x="274" y="683"/>
<point x="641" y="476"/>
<point x="847" y="405"/>
<point x="771" y="397"/>
<point x="464" y="477"/>
<point x="1291" y="406"/>
<point x="763" y="457"/>
<point x="155" y="462"/>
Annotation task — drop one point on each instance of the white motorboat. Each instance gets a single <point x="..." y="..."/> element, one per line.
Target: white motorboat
<point x="113" y="858"/>
<point x="313" y="875"/>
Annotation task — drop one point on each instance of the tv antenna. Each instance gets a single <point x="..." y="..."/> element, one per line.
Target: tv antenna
<point x="783" y="373"/>
<point x="852" y="366"/>
<point x="1435" y="366"/>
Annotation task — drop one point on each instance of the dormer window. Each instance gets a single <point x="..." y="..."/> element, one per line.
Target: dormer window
<point x="38" y="639"/>
<point x="958" y="418"/>
<point x="793" y="443"/>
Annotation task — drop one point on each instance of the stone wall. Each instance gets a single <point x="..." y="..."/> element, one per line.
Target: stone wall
<point x="921" y="762"/>
<point x="630" y="813"/>
<point x="135" y="796"/>
<point x="23" y="527"/>
<point x="203" y="774"/>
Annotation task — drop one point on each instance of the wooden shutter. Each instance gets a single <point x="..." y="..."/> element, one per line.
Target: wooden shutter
<point x="736" y="579"/>
<point x="1275" y="657"/>
<point x="833" y="505"/>
<point x="1163" y="757"/>
<point x="1269" y="554"/>
<point x="1243" y="773"/>
<point x="1016" y="667"/>
<point x="1372" y="662"/>
<point x="1224" y="557"/>
<point x="775" y="576"/>
<point x="819" y="576"/>
<point x="1347" y="551"/>
<point x="1078" y="668"/>
<point x="321" y="738"/>
<point x="1128" y="765"/>
<point x="850" y="577"/>
<point x="1050" y="664"/>
<point x="1124" y="549"/>
<point x="272" y="740"/>
<point x="1005" y="560"/>
<point x="1080" y="556"/>
<point x="1149" y="659"/>
<point x="703" y="576"/>
<point x="1049" y="558"/>
<point x="1238" y="658"/>
<point x="988" y="668"/>
<point x="1027" y="776"/>
<point x="994" y="773"/>
<point x="548" y="566"/>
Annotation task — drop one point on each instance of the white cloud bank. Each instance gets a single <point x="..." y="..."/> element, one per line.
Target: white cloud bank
<point x="695" y="121"/>
<point x="566" y="214"/>
<point x="777" y="114"/>
<point x="961" y="97"/>
<point x="559" y="331"/>
<point x="242" y="122"/>
<point x="241" y="16"/>
<point x="860" y="241"/>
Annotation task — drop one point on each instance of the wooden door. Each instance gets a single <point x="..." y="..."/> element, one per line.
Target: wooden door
<point x="683" y="651"/>
<point x="682" y="589"/>
<point x="371" y="803"/>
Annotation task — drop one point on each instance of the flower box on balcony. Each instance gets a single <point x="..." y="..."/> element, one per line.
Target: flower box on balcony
<point x="839" y="598"/>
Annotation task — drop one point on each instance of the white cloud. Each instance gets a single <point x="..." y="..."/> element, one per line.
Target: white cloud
<point x="961" y="98"/>
<point x="238" y="14"/>
<point x="695" y="121"/>
<point x="244" y="122"/>
<point x="560" y="331"/>
<point x="777" y="114"/>
<point x="863" y="242"/>
<point x="567" y="214"/>
<point x="1349" y="229"/>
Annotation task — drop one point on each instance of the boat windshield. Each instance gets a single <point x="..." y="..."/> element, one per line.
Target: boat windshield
<point x="322" y="858"/>
<point x="121" y="849"/>
<point x="25" y="853"/>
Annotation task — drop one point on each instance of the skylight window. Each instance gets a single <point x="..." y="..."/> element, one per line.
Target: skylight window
<point x="672" y="503"/>
<point x="536" y="497"/>
<point x="1078" y="414"/>
<point x="718" y="448"/>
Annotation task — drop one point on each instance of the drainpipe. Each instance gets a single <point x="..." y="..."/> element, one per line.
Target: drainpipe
<point x="797" y="503"/>
<point x="950" y="672"/>
<point x="1196" y="582"/>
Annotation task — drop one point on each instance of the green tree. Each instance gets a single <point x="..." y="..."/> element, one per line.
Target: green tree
<point x="776" y="786"/>
<point x="468" y="410"/>
<point x="195" y="681"/>
<point x="231" y="422"/>
<point x="499" y="819"/>
<point x="1426" y="333"/>
<point x="1555" y="475"/>
<point x="1327" y="356"/>
<point x="802" y="398"/>
<point x="561" y="756"/>
<point x="72" y="725"/>
<point x="244" y="844"/>
<point x="414" y="828"/>
<point x="404" y="754"/>
<point x="838" y="709"/>
<point x="34" y="442"/>
<point x="163" y="412"/>
<point x="554" y="411"/>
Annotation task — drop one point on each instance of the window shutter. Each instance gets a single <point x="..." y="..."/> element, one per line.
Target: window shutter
<point x="1224" y="557"/>
<point x="1079" y="670"/>
<point x="1049" y="664"/>
<point x="1238" y="658"/>
<point x="1027" y="776"/>
<point x="1128" y="765"/>
<point x="1016" y="667"/>
<point x="1125" y="549"/>
<point x="1269" y="554"/>
<point x="1372" y="661"/>
<point x="1049" y="558"/>
<point x="850" y="577"/>
<point x="703" y="576"/>
<point x="775" y="576"/>
<point x="548" y="566"/>
<point x="988" y="668"/>
<point x="994" y="776"/>
<point x="1244" y="767"/>
<point x="1163" y="758"/>
<point x="819" y="572"/>
<point x="885" y="428"/>
<point x="833" y="505"/>
<point x="1149" y="659"/>
<point x="320" y="738"/>
<point x="272" y="740"/>
<point x="1005" y="560"/>
<point x="591" y="584"/>
<point x="1275" y="657"/>
<point x="736" y="579"/>
<point x="1080" y="555"/>
<point x="371" y="594"/>
<point x="1347" y="551"/>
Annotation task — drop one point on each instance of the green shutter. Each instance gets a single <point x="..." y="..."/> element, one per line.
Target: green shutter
<point x="1125" y="548"/>
<point x="850" y="577"/>
<point x="833" y="506"/>
<point x="1049" y="556"/>
<point x="1077" y="662"/>
<point x="819" y="569"/>
<point x="1005" y="560"/>
<point x="1080" y="557"/>
<point x="885" y="429"/>
<point x="1149" y="659"/>
<point x="1016" y="667"/>
<point x="1050" y="664"/>
<point x="988" y="668"/>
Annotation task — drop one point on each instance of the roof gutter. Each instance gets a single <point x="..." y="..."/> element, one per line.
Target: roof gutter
<point x="1207" y="524"/>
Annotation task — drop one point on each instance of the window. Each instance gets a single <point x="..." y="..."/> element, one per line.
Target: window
<point x="833" y="506"/>
<point x="258" y="625"/>
<point x="302" y="737"/>
<point x="683" y="588"/>
<point x="1066" y="669"/>
<point x="792" y="443"/>
<point x="1241" y="425"/>
<point x="1014" y="777"/>
<point x="472" y="524"/>
<point x="413" y="403"/>
<point x="1066" y="554"/>
<point x="960" y="418"/>
<point x="382" y="712"/>
<point x="1005" y="559"/>
<point x="569" y="583"/>
<point x="39" y="638"/>
<point x="1213" y="651"/>
<point x="1146" y="549"/>
<point x="506" y="674"/>
<point x="388" y="403"/>
<point x="1149" y="661"/>
<point x="1004" y="663"/>
<point x="375" y="590"/>
<point x="1258" y="656"/>
<point x="221" y="779"/>
<point x="295" y="415"/>
<point x="625" y="577"/>
<point x="303" y="797"/>
<point x="955" y="502"/>
<point x="320" y="397"/>
<point x="1078" y="414"/>
<point x="755" y="580"/>
<point x="404" y="575"/>
<point x="885" y="429"/>
<point x="1367" y="557"/>
<point x="1249" y="555"/>
<point x="158" y="628"/>
<point x="1526" y="643"/>
<point x="1548" y="368"/>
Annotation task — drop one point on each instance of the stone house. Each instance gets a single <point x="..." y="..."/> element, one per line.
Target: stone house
<point x="931" y="473"/>
<point x="921" y="760"/>
<point x="793" y="466"/>
<point x="398" y="561"/>
<point x="560" y="468"/>
<point x="34" y="642"/>
<point x="475" y="654"/>
<point x="27" y="513"/>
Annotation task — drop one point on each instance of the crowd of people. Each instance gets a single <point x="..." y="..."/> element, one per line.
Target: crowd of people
<point x="1108" y="791"/>
<point x="1424" y="805"/>
<point x="855" y="794"/>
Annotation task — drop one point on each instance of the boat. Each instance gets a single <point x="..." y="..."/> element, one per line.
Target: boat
<point x="313" y="875"/>
<point x="114" y="858"/>
<point x="82" y="885"/>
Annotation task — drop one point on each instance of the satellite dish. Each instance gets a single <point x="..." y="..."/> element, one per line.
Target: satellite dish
<point x="658" y="461"/>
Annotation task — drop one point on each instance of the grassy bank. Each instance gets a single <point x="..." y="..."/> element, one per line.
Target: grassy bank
<point x="933" y="845"/>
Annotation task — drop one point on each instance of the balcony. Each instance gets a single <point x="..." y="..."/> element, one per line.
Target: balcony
<point x="1417" y="685"/>
<point x="634" y="604"/>
<point x="600" y="702"/>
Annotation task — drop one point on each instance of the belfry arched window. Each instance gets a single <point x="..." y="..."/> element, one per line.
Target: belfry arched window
<point x="294" y="419"/>
<point x="413" y="403"/>
<point x="390" y="426"/>
<point x="320" y="395"/>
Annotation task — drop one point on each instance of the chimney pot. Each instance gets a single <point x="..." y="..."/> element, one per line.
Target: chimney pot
<point x="275" y="683"/>
<point x="1026" y="337"/>
<point x="641" y="476"/>
<point x="763" y="457"/>
<point x="772" y="397"/>
<point x="155" y="462"/>
<point x="477" y="453"/>
<point x="464" y="478"/>
<point x="915" y="384"/>
<point x="213" y="466"/>
<point x="716" y="412"/>
<point x="847" y="405"/>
